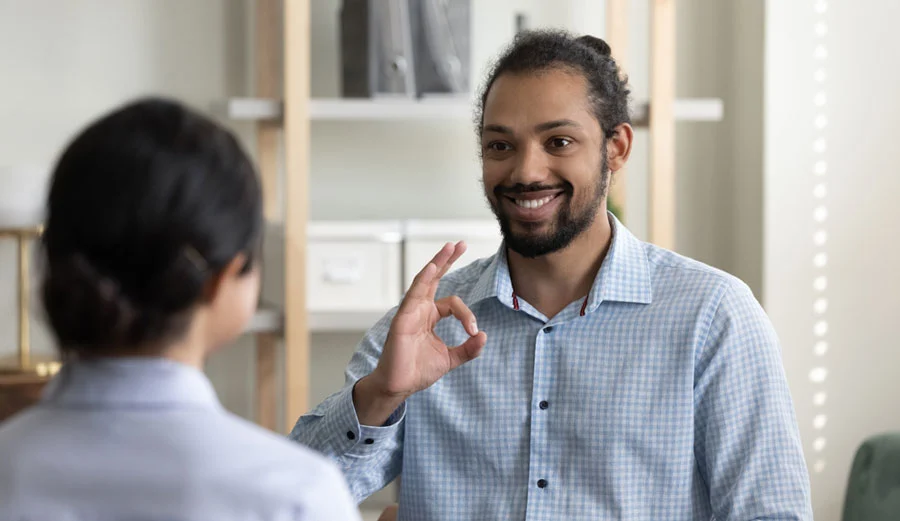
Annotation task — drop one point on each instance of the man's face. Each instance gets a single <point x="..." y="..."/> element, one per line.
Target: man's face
<point x="544" y="160"/>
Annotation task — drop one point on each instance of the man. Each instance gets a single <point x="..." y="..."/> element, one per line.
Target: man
<point x="596" y="376"/>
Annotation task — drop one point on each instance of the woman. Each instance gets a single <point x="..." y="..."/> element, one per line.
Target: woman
<point x="151" y="254"/>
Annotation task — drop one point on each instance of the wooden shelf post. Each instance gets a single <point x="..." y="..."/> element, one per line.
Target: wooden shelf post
<point x="296" y="190"/>
<point x="267" y="69"/>
<point x="662" y="123"/>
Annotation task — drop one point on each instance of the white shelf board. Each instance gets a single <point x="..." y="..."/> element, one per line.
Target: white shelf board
<point x="387" y="231"/>
<point x="254" y="109"/>
<point x="686" y="109"/>
<point x="381" y="231"/>
<point x="699" y="109"/>
<point x="390" y="109"/>
<point x="338" y="109"/>
<point x="335" y="321"/>
<point x="268" y="320"/>
<point x="346" y="109"/>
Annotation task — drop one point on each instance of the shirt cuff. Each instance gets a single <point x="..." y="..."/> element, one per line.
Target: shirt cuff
<point x="362" y="440"/>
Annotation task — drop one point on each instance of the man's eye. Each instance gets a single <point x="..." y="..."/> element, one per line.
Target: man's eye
<point x="560" y="142"/>
<point x="499" y="146"/>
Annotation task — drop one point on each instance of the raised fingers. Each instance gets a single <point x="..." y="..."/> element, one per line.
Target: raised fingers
<point x="454" y="306"/>
<point x="425" y="283"/>
<point x="458" y="250"/>
<point x="468" y="350"/>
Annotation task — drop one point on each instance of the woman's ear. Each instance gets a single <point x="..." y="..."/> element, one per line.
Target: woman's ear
<point x="618" y="147"/>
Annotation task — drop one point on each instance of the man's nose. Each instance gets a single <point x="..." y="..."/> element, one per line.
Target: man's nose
<point x="532" y="166"/>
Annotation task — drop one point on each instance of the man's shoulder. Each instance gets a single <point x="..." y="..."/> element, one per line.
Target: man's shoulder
<point x="675" y="273"/>
<point x="712" y="296"/>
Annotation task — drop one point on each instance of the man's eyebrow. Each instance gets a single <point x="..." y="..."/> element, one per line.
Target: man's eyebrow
<point x="542" y="127"/>
<point x="500" y="129"/>
<point x="550" y="125"/>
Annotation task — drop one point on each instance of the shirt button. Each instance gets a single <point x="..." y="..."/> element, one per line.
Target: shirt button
<point x="542" y="483"/>
<point x="548" y="329"/>
<point x="543" y="405"/>
<point x="350" y="435"/>
<point x="369" y="441"/>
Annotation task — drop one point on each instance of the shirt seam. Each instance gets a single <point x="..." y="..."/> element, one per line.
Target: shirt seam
<point x="723" y="277"/>
<point x="724" y="289"/>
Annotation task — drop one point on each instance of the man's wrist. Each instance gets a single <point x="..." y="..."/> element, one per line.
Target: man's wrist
<point x="373" y="405"/>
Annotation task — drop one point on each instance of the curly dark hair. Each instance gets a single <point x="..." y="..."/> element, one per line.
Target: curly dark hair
<point x="537" y="51"/>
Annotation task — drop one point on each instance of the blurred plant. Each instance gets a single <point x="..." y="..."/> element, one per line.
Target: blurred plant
<point x="613" y="206"/>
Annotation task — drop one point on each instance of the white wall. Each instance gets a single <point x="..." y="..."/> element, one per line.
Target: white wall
<point x="65" y="62"/>
<point x="863" y="285"/>
<point x="719" y="165"/>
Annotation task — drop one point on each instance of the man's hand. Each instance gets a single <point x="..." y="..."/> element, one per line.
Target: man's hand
<point x="414" y="357"/>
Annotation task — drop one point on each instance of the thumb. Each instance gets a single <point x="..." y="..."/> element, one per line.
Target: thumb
<point x="467" y="351"/>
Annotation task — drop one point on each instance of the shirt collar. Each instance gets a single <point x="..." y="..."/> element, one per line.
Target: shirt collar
<point x="494" y="281"/>
<point x="623" y="277"/>
<point x="625" y="273"/>
<point x="130" y="382"/>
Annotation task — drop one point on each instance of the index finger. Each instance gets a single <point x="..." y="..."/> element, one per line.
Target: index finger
<point x="424" y="286"/>
<point x="458" y="249"/>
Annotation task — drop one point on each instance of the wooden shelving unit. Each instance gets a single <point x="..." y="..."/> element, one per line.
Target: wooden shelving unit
<point x="293" y="114"/>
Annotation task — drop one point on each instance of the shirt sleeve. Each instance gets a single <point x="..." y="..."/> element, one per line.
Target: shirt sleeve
<point x="747" y="444"/>
<point x="370" y="456"/>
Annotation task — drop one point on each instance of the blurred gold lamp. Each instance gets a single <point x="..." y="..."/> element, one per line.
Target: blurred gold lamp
<point x="22" y="196"/>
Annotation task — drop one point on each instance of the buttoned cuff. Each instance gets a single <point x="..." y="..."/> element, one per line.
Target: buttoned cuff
<point x="362" y="440"/>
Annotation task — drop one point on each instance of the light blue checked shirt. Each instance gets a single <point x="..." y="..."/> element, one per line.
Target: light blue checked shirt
<point x="666" y="401"/>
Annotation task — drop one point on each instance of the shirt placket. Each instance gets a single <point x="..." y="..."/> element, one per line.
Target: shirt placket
<point x="542" y="483"/>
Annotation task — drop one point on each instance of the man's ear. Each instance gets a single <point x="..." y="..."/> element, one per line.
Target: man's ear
<point x="618" y="147"/>
<point x="231" y="271"/>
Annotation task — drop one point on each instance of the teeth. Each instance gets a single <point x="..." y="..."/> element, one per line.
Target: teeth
<point x="533" y="203"/>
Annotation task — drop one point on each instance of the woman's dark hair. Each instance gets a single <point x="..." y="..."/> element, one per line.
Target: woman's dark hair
<point x="145" y="205"/>
<point x="539" y="51"/>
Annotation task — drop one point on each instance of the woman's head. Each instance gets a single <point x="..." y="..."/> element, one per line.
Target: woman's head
<point x="153" y="227"/>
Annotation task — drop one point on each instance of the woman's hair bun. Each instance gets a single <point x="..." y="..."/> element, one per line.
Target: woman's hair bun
<point x="72" y="283"/>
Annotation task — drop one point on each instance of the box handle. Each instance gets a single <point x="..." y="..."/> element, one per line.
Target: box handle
<point x="343" y="271"/>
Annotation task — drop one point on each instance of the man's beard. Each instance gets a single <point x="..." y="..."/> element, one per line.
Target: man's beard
<point x="569" y="222"/>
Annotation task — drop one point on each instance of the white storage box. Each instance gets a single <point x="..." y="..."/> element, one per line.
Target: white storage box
<point x="424" y="238"/>
<point x="351" y="266"/>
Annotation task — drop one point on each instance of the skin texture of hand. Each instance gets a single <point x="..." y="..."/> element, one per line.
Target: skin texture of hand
<point x="414" y="357"/>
